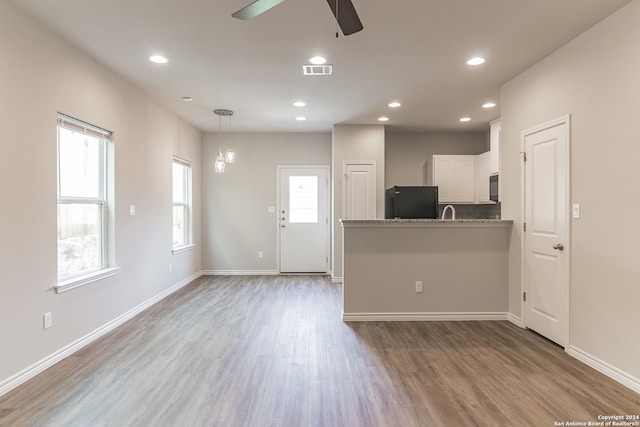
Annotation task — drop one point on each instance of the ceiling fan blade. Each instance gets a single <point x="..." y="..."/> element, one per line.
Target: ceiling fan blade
<point x="346" y="16"/>
<point x="255" y="9"/>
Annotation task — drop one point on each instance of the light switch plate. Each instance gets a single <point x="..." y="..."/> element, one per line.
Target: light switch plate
<point x="132" y="210"/>
<point x="576" y="211"/>
<point x="271" y="209"/>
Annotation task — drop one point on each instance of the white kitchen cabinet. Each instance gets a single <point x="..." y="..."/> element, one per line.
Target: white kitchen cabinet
<point x="494" y="141"/>
<point x="455" y="176"/>
<point x="483" y="171"/>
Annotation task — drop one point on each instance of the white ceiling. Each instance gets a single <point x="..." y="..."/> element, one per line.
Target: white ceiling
<point x="413" y="51"/>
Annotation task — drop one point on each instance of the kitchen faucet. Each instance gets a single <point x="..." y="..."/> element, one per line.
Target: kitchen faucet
<point x="453" y="211"/>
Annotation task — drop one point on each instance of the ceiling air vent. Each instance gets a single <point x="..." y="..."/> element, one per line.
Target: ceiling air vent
<point x="317" y="70"/>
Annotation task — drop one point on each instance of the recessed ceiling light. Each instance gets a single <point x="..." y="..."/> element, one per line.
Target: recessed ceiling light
<point x="465" y="119"/>
<point x="158" y="59"/>
<point x="187" y="98"/>
<point x="383" y="119"/>
<point x="476" y="61"/>
<point x="318" y="60"/>
<point x="299" y="103"/>
<point x="394" y="104"/>
<point x="301" y="119"/>
<point x="489" y="105"/>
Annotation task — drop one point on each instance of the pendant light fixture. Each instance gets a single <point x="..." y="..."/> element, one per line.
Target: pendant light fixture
<point x="230" y="155"/>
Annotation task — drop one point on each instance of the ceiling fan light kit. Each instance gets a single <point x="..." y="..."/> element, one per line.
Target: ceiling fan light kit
<point x="343" y="10"/>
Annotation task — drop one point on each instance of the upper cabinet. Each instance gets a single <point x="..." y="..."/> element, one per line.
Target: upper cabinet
<point x="455" y="177"/>
<point x="483" y="171"/>
<point x="494" y="139"/>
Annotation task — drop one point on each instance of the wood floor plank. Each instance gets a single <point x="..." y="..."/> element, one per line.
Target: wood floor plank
<point x="272" y="351"/>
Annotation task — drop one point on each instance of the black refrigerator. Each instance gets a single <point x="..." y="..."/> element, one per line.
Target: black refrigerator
<point x="411" y="202"/>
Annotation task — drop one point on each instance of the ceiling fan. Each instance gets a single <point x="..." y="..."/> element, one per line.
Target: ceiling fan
<point x="343" y="10"/>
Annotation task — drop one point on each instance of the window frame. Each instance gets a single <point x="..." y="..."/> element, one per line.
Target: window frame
<point x="185" y="204"/>
<point x="88" y="275"/>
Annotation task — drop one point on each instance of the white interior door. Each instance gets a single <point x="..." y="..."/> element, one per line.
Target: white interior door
<point x="303" y="218"/>
<point x="546" y="238"/>
<point x="359" y="191"/>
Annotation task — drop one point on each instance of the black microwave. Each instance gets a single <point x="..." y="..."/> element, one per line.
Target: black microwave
<point x="493" y="188"/>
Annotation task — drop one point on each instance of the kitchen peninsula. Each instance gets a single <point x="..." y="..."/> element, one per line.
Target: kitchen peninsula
<point x="461" y="266"/>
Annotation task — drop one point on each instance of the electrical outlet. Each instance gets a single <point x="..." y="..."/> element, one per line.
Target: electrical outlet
<point x="47" y="320"/>
<point x="419" y="286"/>
<point x="169" y="268"/>
<point x="260" y="254"/>
<point x="132" y="210"/>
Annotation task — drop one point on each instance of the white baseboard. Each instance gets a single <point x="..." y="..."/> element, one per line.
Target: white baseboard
<point x="611" y="371"/>
<point x="240" y="272"/>
<point x="516" y="320"/>
<point x="421" y="317"/>
<point x="38" y="367"/>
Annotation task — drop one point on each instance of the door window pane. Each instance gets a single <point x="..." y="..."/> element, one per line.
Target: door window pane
<point x="303" y="199"/>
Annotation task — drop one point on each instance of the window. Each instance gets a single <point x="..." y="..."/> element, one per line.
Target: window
<point x="82" y="201"/>
<point x="181" y="203"/>
<point x="303" y="199"/>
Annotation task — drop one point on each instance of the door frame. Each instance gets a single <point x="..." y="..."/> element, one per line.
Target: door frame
<point x="566" y="120"/>
<point x="328" y="205"/>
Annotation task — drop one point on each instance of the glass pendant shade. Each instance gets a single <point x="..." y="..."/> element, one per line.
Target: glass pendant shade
<point x="219" y="163"/>
<point x="230" y="156"/>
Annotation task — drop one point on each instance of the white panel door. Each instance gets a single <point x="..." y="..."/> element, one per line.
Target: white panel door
<point x="359" y="187"/>
<point x="546" y="271"/>
<point x="303" y="214"/>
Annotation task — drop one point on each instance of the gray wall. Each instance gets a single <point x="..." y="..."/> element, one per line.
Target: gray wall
<point x="41" y="74"/>
<point x="383" y="262"/>
<point x="408" y="156"/>
<point x="236" y="222"/>
<point x="594" y="78"/>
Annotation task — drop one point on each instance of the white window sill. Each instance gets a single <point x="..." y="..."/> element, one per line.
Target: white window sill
<point x="76" y="282"/>
<point x="180" y="249"/>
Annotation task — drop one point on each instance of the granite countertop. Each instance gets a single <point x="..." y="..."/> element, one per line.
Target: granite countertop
<point x="429" y="222"/>
<point x="426" y="220"/>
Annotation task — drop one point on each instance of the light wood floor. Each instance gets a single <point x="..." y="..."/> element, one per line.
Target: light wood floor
<point x="272" y="351"/>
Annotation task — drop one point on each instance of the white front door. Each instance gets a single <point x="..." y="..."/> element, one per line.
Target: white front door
<point x="303" y="219"/>
<point x="546" y="238"/>
<point x="359" y="190"/>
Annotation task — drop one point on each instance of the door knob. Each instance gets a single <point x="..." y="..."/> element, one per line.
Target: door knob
<point x="558" y="246"/>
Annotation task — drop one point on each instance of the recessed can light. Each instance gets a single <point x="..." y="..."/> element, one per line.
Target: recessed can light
<point x="301" y="119"/>
<point x="318" y="60"/>
<point x="158" y="59"/>
<point x="383" y="119"/>
<point x="488" y="105"/>
<point x="465" y="119"/>
<point x="476" y="61"/>
<point x="394" y="104"/>
<point x="187" y="98"/>
<point x="299" y="103"/>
